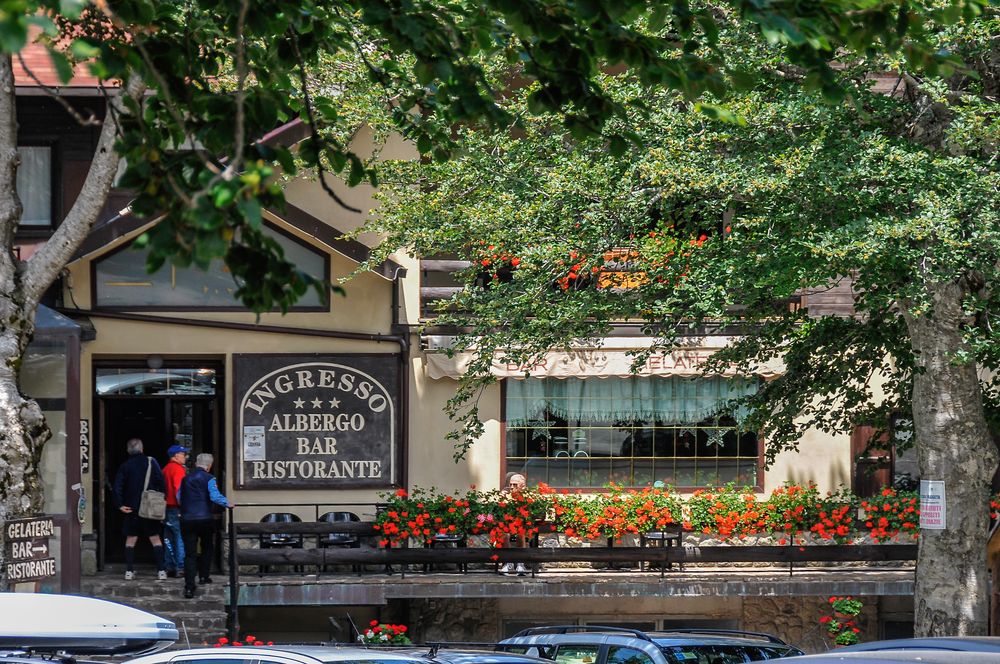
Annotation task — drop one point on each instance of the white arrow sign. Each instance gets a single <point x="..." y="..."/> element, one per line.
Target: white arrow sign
<point x="43" y="548"/>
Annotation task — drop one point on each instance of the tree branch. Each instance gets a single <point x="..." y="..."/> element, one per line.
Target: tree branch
<point x="47" y="262"/>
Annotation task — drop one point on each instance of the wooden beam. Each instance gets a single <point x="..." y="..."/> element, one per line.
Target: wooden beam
<point x="715" y="554"/>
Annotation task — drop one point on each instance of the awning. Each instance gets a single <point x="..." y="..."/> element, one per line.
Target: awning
<point x="591" y="363"/>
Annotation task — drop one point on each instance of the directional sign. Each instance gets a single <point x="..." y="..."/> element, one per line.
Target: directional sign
<point x="26" y="549"/>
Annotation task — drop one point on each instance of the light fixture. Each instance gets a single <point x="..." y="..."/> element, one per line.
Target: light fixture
<point x="154" y="362"/>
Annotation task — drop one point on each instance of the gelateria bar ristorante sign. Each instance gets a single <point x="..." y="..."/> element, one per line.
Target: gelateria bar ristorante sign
<point x="316" y="421"/>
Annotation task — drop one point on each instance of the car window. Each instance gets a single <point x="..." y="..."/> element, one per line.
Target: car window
<point x="761" y="654"/>
<point x="621" y="655"/>
<point x="210" y="660"/>
<point x="576" y="654"/>
<point x="705" y="654"/>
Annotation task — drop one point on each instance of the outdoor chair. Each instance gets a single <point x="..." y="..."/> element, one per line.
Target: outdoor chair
<point x="280" y="540"/>
<point x="349" y="540"/>
<point x="458" y="540"/>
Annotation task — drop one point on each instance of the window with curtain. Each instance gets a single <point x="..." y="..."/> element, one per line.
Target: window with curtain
<point x="589" y="432"/>
<point x="34" y="185"/>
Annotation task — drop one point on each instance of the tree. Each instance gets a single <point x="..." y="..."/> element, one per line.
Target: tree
<point x="724" y="223"/>
<point x="198" y="81"/>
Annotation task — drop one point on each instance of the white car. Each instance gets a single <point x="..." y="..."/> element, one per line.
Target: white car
<point x="279" y="655"/>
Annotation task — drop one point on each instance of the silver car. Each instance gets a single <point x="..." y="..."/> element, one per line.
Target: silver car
<point x="279" y="655"/>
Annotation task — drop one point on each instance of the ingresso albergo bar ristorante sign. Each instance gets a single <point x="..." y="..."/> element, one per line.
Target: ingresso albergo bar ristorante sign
<point x="316" y="421"/>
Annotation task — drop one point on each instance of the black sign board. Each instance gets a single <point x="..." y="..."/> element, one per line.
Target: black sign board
<point x="316" y="421"/>
<point x="26" y="549"/>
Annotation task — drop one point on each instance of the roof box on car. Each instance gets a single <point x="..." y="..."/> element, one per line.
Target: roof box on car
<point x="80" y="626"/>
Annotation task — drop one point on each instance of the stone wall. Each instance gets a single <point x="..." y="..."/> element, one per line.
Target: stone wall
<point x="796" y="619"/>
<point x="473" y="620"/>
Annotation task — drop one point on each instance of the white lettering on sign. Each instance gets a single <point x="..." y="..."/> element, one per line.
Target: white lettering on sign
<point x="31" y="570"/>
<point x="280" y="470"/>
<point x="313" y="379"/>
<point x="84" y="446"/>
<point x="317" y="422"/>
<point x="30" y="529"/>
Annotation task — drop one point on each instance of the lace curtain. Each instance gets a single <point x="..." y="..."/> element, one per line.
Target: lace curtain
<point x="669" y="400"/>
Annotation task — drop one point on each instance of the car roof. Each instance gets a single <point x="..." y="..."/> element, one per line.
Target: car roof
<point x="897" y="656"/>
<point x="317" y="653"/>
<point x="472" y="656"/>
<point x="963" y="643"/>
<point x="655" y="639"/>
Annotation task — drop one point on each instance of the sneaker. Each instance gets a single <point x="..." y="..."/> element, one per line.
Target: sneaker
<point x="521" y="569"/>
<point x="205" y="579"/>
<point x="161" y="575"/>
<point x="507" y="568"/>
<point x="130" y="576"/>
<point x="172" y="573"/>
<point x="188" y="592"/>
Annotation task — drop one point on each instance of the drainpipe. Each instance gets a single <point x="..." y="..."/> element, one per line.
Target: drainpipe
<point x="402" y="331"/>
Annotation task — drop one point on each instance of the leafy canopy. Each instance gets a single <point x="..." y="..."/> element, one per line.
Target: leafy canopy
<point x="223" y="73"/>
<point x="709" y="226"/>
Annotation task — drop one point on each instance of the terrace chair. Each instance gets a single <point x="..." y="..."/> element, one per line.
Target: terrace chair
<point x="280" y="540"/>
<point x="349" y="540"/>
<point x="458" y="540"/>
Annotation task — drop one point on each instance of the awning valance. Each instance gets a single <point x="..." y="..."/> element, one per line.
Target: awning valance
<point x="587" y="363"/>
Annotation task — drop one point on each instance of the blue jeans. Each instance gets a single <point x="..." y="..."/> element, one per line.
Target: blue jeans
<point x="173" y="541"/>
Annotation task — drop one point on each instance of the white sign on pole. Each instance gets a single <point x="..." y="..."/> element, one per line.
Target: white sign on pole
<point x="932" y="506"/>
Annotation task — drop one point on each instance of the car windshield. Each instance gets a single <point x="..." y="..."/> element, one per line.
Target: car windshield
<point x="364" y="660"/>
<point x="718" y="654"/>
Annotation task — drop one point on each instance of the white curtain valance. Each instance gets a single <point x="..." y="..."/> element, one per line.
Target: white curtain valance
<point x="670" y="400"/>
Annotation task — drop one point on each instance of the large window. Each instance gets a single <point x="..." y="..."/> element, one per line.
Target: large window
<point x="589" y="432"/>
<point x="34" y="185"/>
<point x="121" y="280"/>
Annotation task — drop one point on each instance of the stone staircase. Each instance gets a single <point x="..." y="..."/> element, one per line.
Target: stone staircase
<point x="203" y="618"/>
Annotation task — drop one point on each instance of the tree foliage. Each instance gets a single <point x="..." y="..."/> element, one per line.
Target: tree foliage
<point x="724" y="224"/>
<point x="222" y="73"/>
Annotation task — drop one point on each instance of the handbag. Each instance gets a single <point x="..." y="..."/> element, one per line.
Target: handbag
<point x="152" y="504"/>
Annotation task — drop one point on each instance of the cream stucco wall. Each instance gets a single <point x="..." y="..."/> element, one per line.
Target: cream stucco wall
<point x="821" y="458"/>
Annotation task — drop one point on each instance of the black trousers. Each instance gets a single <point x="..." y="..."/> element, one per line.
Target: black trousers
<point x="195" y="533"/>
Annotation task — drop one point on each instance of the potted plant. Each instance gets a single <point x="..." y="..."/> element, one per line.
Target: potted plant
<point x="380" y="634"/>
<point x="845" y="608"/>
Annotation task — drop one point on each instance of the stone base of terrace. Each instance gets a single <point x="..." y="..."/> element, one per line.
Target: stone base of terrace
<point x="376" y="589"/>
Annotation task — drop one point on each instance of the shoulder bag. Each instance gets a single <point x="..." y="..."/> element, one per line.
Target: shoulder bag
<point x="152" y="504"/>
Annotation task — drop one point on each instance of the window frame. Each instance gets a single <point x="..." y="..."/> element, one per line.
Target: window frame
<point x="758" y="486"/>
<point x="55" y="187"/>
<point x="271" y="225"/>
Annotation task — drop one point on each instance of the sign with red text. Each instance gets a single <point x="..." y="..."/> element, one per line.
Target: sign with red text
<point x="316" y="421"/>
<point x="932" y="505"/>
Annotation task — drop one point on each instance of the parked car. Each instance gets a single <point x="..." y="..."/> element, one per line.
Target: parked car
<point x="591" y="644"/>
<point x="963" y="643"/>
<point x="449" y="655"/>
<point x="280" y="655"/>
<point x="900" y="656"/>
<point x="48" y="624"/>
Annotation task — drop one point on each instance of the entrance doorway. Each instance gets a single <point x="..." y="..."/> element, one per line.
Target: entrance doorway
<point x="172" y="405"/>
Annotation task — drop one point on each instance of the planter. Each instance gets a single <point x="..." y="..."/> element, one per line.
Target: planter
<point x="844" y="617"/>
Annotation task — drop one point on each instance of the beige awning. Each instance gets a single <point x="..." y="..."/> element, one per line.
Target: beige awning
<point x="589" y="363"/>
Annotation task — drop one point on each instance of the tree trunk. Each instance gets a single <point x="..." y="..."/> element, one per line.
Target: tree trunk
<point x="953" y="444"/>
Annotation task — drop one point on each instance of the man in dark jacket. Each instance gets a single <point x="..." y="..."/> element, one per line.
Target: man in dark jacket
<point x="130" y="482"/>
<point x="197" y="493"/>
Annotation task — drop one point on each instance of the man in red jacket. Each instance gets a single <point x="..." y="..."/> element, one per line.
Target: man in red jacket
<point x="173" y="473"/>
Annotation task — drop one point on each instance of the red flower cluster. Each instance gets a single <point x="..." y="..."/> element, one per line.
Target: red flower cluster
<point x="249" y="640"/>
<point x="891" y="513"/>
<point x="384" y="633"/>
<point x="730" y="511"/>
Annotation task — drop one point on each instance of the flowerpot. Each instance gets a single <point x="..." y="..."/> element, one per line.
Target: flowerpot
<point x="842" y="617"/>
